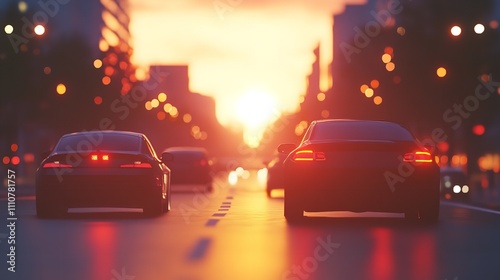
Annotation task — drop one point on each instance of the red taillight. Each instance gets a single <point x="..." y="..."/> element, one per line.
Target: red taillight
<point x="420" y="156"/>
<point x="308" y="155"/>
<point x="56" y="164"/>
<point x="137" y="164"/>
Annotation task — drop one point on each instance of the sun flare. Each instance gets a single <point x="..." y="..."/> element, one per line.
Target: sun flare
<point x="255" y="110"/>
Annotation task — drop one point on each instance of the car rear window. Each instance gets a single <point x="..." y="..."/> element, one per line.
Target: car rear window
<point x="98" y="141"/>
<point x="352" y="130"/>
<point x="187" y="156"/>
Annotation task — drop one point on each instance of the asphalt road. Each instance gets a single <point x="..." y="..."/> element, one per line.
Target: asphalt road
<point x="238" y="233"/>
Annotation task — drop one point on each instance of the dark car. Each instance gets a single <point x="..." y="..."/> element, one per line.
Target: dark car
<point x="190" y="166"/>
<point x="275" y="174"/>
<point x="102" y="169"/>
<point x="360" y="166"/>
<point x="454" y="183"/>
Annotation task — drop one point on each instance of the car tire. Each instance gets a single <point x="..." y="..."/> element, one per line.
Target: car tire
<point x="292" y="208"/>
<point x="154" y="207"/>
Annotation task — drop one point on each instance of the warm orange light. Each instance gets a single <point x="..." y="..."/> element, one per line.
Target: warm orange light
<point x="47" y="70"/>
<point x="105" y="157"/>
<point x="109" y="71"/>
<point x="187" y="118"/>
<point x="390" y="66"/>
<point x="493" y="24"/>
<point x="8" y="29"/>
<point x="106" y="80"/>
<point x="61" y="89"/>
<point x="162" y="97"/>
<point x="174" y="112"/>
<point x="155" y="103"/>
<point x="441" y="72"/>
<point x="377" y="100"/>
<point x="94" y="157"/>
<point x="5" y="160"/>
<point x="14" y="147"/>
<point x="401" y="31"/>
<point x="374" y="84"/>
<point x="369" y="92"/>
<point x="97" y="63"/>
<point x="386" y="58"/>
<point x="321" y="97"/>
<point x="325" y="114"/>
<point x="363" y="88"/>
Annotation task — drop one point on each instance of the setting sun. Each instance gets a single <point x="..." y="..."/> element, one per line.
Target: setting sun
<point x="255" y="110"/>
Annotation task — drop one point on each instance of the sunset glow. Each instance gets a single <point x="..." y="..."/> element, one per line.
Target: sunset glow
<point x="262" y="44"/>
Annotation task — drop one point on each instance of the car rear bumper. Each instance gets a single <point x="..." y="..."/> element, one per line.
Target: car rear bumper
<point x="361" y="190"/>
<point x="134" y="191"/>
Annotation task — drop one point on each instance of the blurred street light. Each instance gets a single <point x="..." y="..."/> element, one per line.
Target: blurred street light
<point x="8" y="29"/>
<point x="39" y="30"/>
<point x="441" y="72"/>
<point x="479" y="28"/>
<point x="456" y="30"/>
<point x="61" y="89"/>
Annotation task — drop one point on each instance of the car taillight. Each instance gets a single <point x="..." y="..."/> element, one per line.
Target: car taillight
<point x="56" y="164"/>
<point x="137" y="164"/>
<point x="96" y="157"/>
<point x="420" y="156"/>
<point x="308" y="155"/>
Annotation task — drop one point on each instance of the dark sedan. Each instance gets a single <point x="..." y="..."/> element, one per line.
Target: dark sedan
<point x="190" y="167"/>
<point x="360" y="166"/>
<point x="102" y="169"/>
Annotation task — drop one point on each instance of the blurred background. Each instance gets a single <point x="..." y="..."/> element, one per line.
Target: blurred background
<point x="240" y="77"/>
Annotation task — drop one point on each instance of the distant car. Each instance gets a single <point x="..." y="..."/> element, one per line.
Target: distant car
<point x="190" y="166"/>
<point x="275" y="174"/>
<point x="102" y="169"/>
<point x="360" y="166"/>
<point x="454" y="183"/>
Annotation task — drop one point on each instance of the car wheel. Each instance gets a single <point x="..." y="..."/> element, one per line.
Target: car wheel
<point x="154" y="207"/>
<point x="293" y="210"/>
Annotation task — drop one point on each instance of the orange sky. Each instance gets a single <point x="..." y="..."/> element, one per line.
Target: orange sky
<point x="255" y="52"/>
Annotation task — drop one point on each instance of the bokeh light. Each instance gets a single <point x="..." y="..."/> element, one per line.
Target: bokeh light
<point x="8" y="29"/>
<point x="325" y="114"/>
<point x="39" y="30"/>
<point x="167" y="107"/>
<point x="161" y="115"/>
<point x="61" y="89"/>
<point x="441" y="72"/>
<point x="14" y="147"/>
<point x="321" y="96"/>
<point x="155" y="103"/>
<point x="479" y="28"/>
<point x="456" y="30"/>
<point x="22" y="6"/>
<point x="106" y="80"/>
<point x="162" y="97"/>
<point x="97" y="63"/>
<point x="478" y="129"/>
<point x="187" y="118"/>
<point x="363" y="88"/>
<point x="369" y="92"/>
<point x="47" y="70"/>
<point x="401" y="31"/>
<point x="148" y="106"/>
<point x="15" y="160"/>
<point x="386" y="58"/>
<point x="390" y="66"/>
<point x="389" y="50"/>
<point x="377" y="100"/>
<point x="5" y="160"/>
<point x="374" y="84"/>
<point x="493" y="24"/>
<point x="98" y="100"/>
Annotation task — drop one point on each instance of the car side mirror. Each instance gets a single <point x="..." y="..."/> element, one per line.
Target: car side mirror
<point x="167" y="157"/>
<point x="286" y="148"/>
